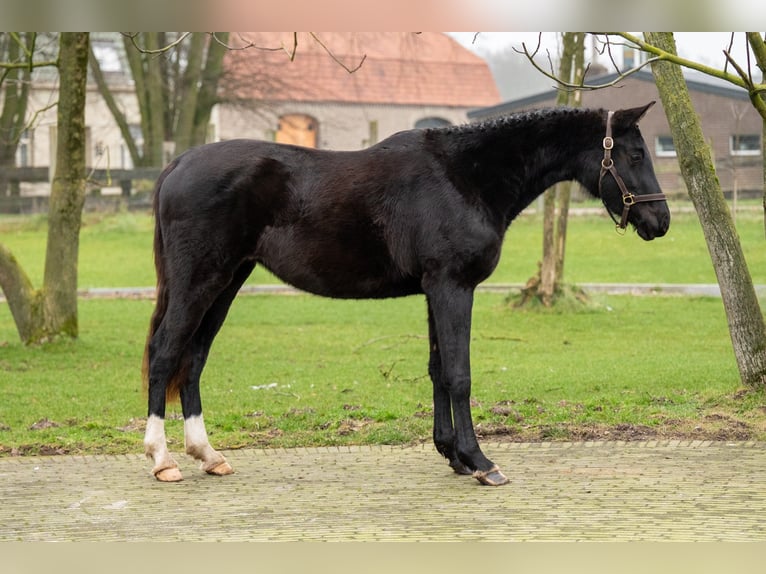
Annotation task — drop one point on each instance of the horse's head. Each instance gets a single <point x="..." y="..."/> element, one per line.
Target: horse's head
<point x="627" y="184"/>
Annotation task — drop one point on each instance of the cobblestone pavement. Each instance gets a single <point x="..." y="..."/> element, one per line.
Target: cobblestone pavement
<point x="656" y="491"/>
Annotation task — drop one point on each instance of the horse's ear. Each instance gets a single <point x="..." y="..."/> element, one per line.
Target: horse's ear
<point x="626" y="119"/>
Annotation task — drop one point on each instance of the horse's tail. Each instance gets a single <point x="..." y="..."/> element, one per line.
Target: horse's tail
<point x="177" y="378"/>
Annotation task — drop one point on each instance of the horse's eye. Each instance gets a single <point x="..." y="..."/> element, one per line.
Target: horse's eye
<point x="636" y="157"/>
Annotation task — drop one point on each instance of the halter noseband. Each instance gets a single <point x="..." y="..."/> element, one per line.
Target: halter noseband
<point x="628" y="198"/>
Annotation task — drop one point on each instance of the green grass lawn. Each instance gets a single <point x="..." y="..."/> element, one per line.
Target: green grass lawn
<point x="302" y="370"/>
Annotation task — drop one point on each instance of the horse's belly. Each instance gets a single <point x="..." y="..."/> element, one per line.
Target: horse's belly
<point x="341" y="269"/>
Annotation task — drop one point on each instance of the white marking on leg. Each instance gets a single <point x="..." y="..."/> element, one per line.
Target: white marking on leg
<point x="198" y="446"/>
<point x="155" y="445"/>
<point x="154" y="437"/>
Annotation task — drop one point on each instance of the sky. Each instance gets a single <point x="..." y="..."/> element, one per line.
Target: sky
<point x="703" y="47"/>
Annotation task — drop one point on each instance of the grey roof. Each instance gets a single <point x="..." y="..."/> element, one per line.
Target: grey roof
<point x="696" y="81"/>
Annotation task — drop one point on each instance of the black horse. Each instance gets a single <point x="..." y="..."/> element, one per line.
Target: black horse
<point x="424" y="211"/>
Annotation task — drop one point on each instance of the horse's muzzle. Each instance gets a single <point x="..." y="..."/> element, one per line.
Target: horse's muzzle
<point x="654" y="221"/>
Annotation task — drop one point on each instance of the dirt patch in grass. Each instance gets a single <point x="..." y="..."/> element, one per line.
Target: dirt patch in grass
<point x="714" y="427"/>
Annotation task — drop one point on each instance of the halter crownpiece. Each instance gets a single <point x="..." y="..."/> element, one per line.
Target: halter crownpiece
<point x="607" y="165"/>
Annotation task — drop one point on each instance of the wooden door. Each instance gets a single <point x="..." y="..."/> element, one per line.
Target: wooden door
<point x="297" y="129"/>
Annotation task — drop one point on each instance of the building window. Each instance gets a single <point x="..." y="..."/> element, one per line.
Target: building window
<point x="432" y="122"/>
<point x="108" y="56"/>
<point x="138" y="137"/>
<point x="24" y="149"/>
<point x="745" y="144"/>
<point x="664" y="147"/>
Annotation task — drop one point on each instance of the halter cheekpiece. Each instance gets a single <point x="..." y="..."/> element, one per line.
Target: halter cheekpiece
<point x="607" y="165"/>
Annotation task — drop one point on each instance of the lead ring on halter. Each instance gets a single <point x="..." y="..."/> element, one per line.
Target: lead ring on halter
<point x="607" y="166"/>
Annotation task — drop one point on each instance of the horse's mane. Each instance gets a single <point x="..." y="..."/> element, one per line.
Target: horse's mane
<point x="525" y="118"/>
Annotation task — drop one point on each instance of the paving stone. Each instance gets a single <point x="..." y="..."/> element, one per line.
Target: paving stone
<point x="657" y="491"/>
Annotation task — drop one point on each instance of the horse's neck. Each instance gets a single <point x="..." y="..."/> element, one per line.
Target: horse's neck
<point x="515" y="160"/>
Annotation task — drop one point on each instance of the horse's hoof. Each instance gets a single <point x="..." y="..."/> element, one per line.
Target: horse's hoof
<point x="491" y="477"/>
<point x="460" y="468"/>
<point x="221" y="469"/>
<point x="168" y="475"/>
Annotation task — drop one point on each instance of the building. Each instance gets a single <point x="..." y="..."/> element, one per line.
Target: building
<point x="729" y="121"/>
<point x="104" y="147"/>
<point x="307" y="89"/>
<point x="349" y="90"/>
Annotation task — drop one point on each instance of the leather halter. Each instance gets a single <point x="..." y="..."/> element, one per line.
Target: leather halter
<point x="607" y="165"/>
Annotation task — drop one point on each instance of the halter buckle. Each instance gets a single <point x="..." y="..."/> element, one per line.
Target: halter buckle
<point x="628" y="199"/>
<point x="608" y="143"/>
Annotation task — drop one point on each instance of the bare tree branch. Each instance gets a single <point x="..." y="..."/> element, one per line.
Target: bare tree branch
<point x="160" y="50"/>
<point x="28" y="52"/>
<point x="742" y="78"/>
<point x="754" y="90"/>
<point x="731" y="45"/>
<point x="246" y="44"/>
<point x="23" y="65"/>
<point x="675" y="59"/>
<point x="36" y="115"/>
<point x="295" y="47"/>
<point x="335" y="58"/>
<point x="581" y="85"/>
<point x="757" y="44"/>
<point x="291" y="52"/>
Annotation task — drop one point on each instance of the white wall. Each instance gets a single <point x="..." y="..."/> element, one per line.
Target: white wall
<point x="341" y="126"/>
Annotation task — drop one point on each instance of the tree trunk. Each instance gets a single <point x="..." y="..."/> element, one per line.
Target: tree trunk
<point x="13" y="117"/>
<point x="68" y="188"/>
<point x="548" y="264"/>
<point x="147" y="78"/>
<point x="154" y="137"/>
<point x="175" y="100"/>
<point x="138" y="73"/>
<point x="42" y="314"/>
<point x="208" y="94"/>
<point x="24" y="301"/>
<point x="758" y="45"/>
<point x="111" y="103"/>
<point x="547" y="284"/>
<point x="189" y="90"/>
<point x="746" y="323"/>
<point x="565" y="190"/>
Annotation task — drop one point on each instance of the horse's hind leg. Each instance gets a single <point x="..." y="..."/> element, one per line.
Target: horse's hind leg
<point x="165" y="467"/>
<point x="171" y="361"/>
<point x="166" y="353"/>
<point x="195" y="434"/>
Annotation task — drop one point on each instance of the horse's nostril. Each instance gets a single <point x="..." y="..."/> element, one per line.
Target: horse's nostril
<point x="665" y="223"/>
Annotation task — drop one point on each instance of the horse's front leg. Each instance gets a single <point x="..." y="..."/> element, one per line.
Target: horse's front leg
<point x="451" y="309"/>
<point x="443" y="430"/>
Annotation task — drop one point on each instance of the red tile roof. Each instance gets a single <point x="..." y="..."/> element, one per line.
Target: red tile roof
<point x="398" y="68"/>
